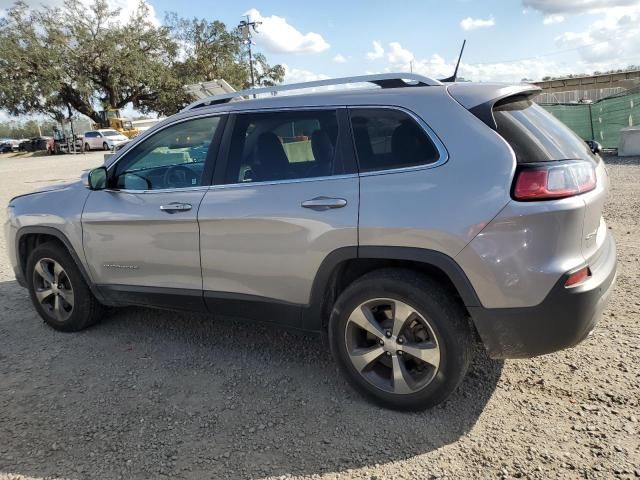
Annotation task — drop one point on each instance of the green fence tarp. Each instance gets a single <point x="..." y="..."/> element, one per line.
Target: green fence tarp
<point x="601" y="120"/>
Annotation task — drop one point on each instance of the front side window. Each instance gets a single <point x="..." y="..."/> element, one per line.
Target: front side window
<point x="283" y="146"/>
<point x="172" y="158"/>
<point x="386" y="139"/>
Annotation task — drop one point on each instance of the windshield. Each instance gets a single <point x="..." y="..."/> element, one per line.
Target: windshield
<point x="110" y="133"/>
<point x="534" y="134"/>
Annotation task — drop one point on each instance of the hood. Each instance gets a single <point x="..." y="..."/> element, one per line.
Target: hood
<point x="56" y="186"/>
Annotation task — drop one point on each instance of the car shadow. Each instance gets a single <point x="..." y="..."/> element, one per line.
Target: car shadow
<point x="148" y="393"/>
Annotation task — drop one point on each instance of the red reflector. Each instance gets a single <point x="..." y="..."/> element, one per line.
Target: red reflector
<point x="578" y="277"/>
<point x="556" y="180"/>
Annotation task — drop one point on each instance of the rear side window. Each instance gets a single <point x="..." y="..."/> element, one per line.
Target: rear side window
<point x="386" y="139"/>
<point x="534" y="134"/>
<point x="283" y="146"/>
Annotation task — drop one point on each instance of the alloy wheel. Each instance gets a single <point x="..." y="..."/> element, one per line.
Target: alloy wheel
<point x="53" y="289"/>
<point x="392" y="346"/>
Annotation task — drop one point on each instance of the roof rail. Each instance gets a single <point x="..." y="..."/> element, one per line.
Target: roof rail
<point x="383" y="80"/>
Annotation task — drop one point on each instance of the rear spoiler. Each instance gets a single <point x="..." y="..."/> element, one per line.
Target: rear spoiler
<point x="480" y="98"/>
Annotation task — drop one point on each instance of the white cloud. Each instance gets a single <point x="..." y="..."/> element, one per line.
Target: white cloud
<point x="397" y="54"/>
<point x="377" y="52"/>
<point x="437" y="67"/>
<point x="609" y="40"/>
<point x="277" y="36"/>
<point x="553" y="18"/>
<point x="573" y="7"/>
<point x="339" y="58"/>
<point x="473" y="23"/>
<point x="298" y="75"/>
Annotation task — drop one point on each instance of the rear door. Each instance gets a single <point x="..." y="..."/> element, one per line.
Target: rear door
<point x="286" y="196"/>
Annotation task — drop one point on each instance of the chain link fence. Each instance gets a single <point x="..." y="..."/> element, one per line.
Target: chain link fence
<point x="601" y="120"/>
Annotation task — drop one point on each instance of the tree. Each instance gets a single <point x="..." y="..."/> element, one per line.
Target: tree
<point x="209" y="51"/>
<point x="81" y="57"/>
<point x="27" y="129"/>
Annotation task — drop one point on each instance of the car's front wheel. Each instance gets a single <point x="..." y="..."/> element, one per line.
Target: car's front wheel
<point x="58" y="290"/>
<point x="105" y="146"/>
<point x="401" y="339"/>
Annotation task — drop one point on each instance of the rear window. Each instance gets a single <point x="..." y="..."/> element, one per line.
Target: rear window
<point x="534" y="134"/>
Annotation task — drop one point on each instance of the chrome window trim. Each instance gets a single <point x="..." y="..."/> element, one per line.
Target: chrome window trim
<point x="160" y="190"/>
<point x="284" y="182"/>
<point x="443" y="153"/>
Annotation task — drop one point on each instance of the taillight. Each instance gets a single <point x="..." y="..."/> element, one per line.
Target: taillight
<point x="556" y="180"/>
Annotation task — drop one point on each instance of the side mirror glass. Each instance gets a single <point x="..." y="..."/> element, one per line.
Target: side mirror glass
<point x="98" y="178"/>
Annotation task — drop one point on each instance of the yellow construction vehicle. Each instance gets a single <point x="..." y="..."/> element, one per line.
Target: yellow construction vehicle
<point x="112" y="118"/>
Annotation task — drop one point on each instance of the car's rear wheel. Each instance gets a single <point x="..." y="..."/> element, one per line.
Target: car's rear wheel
<point x="58" y="290"/>
<point x="87" y="148"/>
<point x="401" y="339"/>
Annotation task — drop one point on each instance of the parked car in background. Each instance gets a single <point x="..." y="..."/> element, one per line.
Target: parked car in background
<point x="34" y="144"/>
<point x="103" y="139"/>
<point x="9" y="145"/>
<point x="405" y="222"/>
<point x="24" y="144"/>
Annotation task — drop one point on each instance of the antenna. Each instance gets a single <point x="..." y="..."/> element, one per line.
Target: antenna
<point x="453" y="77"/>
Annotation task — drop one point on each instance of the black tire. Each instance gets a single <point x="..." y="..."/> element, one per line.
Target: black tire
<point x="445" y="317"/>
<point x="105" y="147"/>
<point x="87" y="148"/>
<point x="85" y="311"/>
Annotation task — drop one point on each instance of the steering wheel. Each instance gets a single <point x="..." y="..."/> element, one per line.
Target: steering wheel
<point x="179" y="176"/>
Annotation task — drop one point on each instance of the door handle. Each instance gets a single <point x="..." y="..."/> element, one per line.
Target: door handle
<point x="320" y="204"/>
<point x="176" y="207"/>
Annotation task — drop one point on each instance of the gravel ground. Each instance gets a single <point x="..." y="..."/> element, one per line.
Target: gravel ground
<point x="149" y="394"/>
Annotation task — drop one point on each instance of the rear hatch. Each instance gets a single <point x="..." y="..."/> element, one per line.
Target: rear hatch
<point x="542" y="143"/>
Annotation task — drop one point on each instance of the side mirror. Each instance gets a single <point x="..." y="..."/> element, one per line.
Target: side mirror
<point x="97" y="179"/>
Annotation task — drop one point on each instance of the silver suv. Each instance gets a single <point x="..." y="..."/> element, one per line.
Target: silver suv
<point x="406" y="221"/>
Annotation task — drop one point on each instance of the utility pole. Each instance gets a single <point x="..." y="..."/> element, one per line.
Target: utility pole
<point x="246" y="27"/>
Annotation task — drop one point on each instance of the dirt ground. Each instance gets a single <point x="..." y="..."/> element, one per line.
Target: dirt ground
<point x="149" y="394"/>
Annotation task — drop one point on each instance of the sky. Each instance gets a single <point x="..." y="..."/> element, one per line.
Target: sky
<point x="507" y="40"/>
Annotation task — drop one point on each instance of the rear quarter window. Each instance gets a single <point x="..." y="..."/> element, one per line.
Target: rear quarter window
<point x="387" y="139"/>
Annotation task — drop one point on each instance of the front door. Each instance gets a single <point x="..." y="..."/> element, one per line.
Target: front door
<point x="141" y="236"/>
<point x="286" y="196"/>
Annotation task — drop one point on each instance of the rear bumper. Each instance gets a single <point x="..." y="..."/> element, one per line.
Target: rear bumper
<point x="563" y="319"/>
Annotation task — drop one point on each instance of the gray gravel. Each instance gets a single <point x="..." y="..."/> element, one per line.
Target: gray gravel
<point x="151" y="394"/>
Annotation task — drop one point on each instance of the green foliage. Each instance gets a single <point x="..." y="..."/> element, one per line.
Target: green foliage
<point x="82" y="57"/>
<point x="18" y="130"/>
<point x="209" y="51"/>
